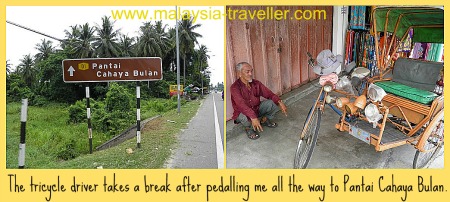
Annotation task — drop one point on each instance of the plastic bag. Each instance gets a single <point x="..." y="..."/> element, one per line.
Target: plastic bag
<point x="375" y="92"/>
<point x="372" y="114"/>
<point x="344" y="84"/>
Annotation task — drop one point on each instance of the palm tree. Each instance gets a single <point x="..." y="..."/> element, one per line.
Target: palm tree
<point x="126" y="46"/>
<point x="188" y="39"/>
<point x="45" y="48"/>
<point x="202" y="62"/>
<point x="71" y="37"/>
<point x="153" y="40"/>
<point x="106" y="41"/>
<point x="26" y="70"/>
<point x="8" y="66"/>
<point x="73" y="33"/>
<point x="82" y="46"/>
<point x="164" y="36"/>
<point x="171" y="56"/>
<point x="203" y="56"/>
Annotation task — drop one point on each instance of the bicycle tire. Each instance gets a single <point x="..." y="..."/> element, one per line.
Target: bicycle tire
<point x="305" y="146"/>
<point x="433" y="145"/>
<point x="423" y="159"/>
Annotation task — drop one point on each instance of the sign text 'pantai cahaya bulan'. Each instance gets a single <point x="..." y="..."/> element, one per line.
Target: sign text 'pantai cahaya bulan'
<point x="112" y="69"/>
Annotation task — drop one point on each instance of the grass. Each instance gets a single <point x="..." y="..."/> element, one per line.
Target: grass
<point x="46" y="130"/>
<point x="158" y="138"/>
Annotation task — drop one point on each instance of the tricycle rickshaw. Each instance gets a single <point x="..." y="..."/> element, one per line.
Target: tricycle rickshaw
<point x="393" y="104"/>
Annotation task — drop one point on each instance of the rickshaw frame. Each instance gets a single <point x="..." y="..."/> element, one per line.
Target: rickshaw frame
<point x="422" y="133"/>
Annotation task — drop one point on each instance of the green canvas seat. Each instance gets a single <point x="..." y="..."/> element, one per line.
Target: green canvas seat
<point x="413" y="79"/>
<point x="417" y="73"/>
<point x="415" y="94"/>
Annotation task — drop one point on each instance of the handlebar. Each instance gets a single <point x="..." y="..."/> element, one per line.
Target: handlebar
<point x="311" y="60"/>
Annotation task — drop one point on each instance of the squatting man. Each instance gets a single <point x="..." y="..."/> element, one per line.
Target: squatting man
<point x="247" y="106"/>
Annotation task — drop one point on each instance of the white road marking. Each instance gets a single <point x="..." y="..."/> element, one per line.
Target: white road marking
<point x="219" y="146"/>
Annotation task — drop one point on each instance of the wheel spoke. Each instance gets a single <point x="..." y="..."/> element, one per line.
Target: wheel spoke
<point x="431" y="147"/>
<point x="306" y="144"/>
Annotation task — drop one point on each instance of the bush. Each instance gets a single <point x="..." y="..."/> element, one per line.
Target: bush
<point x="174" y="100"/>
<point x="194" y="96"/>
<point x="112" y="117"/>
<point x="77" y="112"/>
<point x="162" y="105"/>
<point x="38" y="101"/>
<point x="156" y="105"/>
<point x="116" y="113"/>
<point x="68" y="150"/>
<point x="16" y="89"/>
<point x="99" y="91"/>
<point x="159" y="89"/>
<point x="118" y="121"/>
<point x="118" y="98"/>
<point x="100" y="117"/>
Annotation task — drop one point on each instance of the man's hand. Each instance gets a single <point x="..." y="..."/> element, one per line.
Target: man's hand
<point x="256" y="125"/>
<point x="283" y="107"/>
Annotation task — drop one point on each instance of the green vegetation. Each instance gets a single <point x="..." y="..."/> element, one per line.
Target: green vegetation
<point x="56" y="127"/>
<point x="49" y="137"/>
<point x="39" y="77"/>
<point x="157" y="142"/>
<point x="52" y="142"/>
<point x="117" y="112"/>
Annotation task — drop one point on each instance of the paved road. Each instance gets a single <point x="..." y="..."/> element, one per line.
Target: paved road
<point x="220" y="104"/>
<point x="201" y="144"/>
<point x="276" y="146"/>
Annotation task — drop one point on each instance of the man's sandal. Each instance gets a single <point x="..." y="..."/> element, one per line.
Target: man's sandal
<point x="269" y="123"/>
<point x="251" y="134"/>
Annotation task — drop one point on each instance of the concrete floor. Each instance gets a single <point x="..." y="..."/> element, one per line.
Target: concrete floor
<point x="276" y="146"/>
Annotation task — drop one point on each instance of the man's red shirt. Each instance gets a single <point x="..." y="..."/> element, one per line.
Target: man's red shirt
<point x="247" y="100"/>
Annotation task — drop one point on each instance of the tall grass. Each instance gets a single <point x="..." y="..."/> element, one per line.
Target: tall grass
<point x="49" y="136"/>
<point x="158" y="140"/>
<point x="51" y="140"/>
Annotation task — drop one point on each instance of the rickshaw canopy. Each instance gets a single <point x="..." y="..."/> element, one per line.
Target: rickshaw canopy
<point x="427" y="22"/>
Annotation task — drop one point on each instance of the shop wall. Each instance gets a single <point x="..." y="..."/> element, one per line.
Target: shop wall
<point x="276" y="48"/>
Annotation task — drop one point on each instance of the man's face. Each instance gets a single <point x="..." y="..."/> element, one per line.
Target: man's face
<point x="247" y="72"/>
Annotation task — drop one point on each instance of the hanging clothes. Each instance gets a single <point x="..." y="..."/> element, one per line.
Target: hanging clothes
<point x="406" y="45"/>
<point x="348" y="46"/>
<point x="358" y="17"/>
<point x="435" y="52"/>
<point x="360" y="48"/>
<point x="428" y="51"/>
<point x="418" y="51"/>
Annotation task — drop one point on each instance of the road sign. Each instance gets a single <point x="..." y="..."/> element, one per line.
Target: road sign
<point x="112" y="69"/>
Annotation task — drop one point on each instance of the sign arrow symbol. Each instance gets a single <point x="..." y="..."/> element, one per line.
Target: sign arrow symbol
<point x="71" y="70"/>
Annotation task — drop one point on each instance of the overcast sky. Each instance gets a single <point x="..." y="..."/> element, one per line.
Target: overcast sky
<point x="53" y="20"/>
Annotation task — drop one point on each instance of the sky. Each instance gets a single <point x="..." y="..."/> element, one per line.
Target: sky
<point x="53" y="20"/>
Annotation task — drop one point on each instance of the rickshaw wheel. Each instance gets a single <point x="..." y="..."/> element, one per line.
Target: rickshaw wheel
<point x="306" y="144"/>
<point x="432" y="146"/>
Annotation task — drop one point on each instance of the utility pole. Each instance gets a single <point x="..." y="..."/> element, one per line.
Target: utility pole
<point x="202" y="82"/>
<point x="178" y="60"/>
